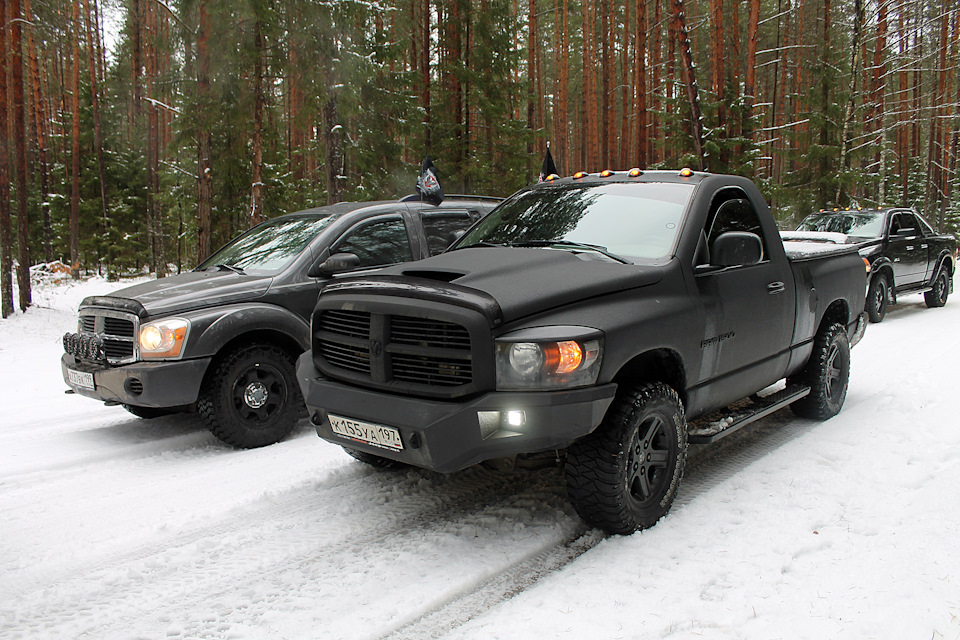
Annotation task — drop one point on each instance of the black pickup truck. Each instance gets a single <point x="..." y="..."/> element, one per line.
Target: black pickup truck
<point x="906" y="255"/>
<point x="223" y="338"/>
<point x="591" y="315"/>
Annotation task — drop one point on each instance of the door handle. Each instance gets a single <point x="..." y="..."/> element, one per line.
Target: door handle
<point x="909" y="247"/>
<point x="774" y="288"/>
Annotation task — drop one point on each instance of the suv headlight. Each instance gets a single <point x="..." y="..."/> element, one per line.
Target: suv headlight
<point x="548" y="358"/>
<point x="163" y="338"/>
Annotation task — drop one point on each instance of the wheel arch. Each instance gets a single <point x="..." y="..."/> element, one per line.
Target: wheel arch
<point x="657" y="365"/>
<point x="883" y="268"/>
<point x="838" y="312"/>
<point x="260" y="336"/>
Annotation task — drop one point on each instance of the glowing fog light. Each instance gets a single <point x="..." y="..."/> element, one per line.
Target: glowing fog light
<point x="516" y="418"/>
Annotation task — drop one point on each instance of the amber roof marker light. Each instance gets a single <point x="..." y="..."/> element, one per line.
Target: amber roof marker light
<point x="580" y="174"/>
<point x="686" y="172"/>
<point x="606" y="173"/>
<point x="633" y="173"/>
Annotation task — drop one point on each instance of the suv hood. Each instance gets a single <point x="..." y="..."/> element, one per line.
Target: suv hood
<point x="521" y="281"/>
<point x="187" y="291"/>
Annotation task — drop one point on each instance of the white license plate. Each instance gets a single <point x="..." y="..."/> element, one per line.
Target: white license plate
<point x="376" y="434"/>
<point x="83" y="379"/>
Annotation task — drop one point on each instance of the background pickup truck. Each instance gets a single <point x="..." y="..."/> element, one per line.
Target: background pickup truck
<point x="906" y="255"/>
<point x="593" y="314"/>
<point x="223" y="338"/>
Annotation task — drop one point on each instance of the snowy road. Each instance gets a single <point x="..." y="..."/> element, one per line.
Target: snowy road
<point x="115" y="527"/>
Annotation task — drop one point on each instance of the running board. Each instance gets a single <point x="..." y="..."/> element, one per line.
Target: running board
<point x="718" y="424"/>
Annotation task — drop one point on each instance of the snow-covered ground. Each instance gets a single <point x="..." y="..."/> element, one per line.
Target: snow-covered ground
<point x="115" y="527"/>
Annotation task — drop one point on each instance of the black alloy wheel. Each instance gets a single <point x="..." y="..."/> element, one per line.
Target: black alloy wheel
<point x="252" y="399"/>
<point x="625" y="475"/>
<point x="877" y="298"/>
<point x="827" y="373"/>
<point x="937" y="297"/>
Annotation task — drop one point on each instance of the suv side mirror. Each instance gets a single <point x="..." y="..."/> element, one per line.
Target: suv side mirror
<point x="337" y="263"/>
<point x="736" y="248"/>
<point x="906" y="232"/>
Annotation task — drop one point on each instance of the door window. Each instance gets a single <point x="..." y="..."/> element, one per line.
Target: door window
<point x="443" y="227"/>
<point x="379" y="242"/>
<point x="734" y="213"/>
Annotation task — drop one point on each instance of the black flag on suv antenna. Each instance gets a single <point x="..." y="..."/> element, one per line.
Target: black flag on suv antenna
<point x="549" y="168"/>
<point x="428" y="184"/>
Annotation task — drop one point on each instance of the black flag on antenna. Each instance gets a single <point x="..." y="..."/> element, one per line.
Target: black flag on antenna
<point x="428" y="183"/>
<point x="549" y="168"/>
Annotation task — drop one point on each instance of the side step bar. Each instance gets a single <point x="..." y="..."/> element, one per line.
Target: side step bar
<point x="719" y="424"/>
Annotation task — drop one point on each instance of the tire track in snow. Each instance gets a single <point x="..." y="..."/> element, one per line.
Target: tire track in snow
<point x="406" y="512"/>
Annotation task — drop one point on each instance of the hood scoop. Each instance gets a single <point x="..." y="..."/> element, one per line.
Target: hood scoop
<point x="442" y="276"/>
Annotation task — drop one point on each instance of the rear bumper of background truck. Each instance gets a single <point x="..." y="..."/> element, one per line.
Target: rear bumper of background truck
<point x="448" y="436"/>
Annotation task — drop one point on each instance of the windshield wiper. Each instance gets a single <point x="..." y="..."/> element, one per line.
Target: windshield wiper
<point x="230" y="267"/>
<point x="480" y="244"/>
<point x="571" y="245"/>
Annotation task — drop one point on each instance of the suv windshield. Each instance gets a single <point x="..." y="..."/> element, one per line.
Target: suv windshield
<point x="640" y="220"/>
<point x="270" y="246"/>
<point x="857" y="224"/>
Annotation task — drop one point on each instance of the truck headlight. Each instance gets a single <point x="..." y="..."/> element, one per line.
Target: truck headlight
<point x="163" y="338"/>
<point x="527" y="361"/>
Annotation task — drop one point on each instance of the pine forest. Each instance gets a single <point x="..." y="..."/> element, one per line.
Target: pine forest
<point x="138" y="135"/>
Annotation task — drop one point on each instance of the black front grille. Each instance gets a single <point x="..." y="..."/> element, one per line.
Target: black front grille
<point x="414" y="352"/>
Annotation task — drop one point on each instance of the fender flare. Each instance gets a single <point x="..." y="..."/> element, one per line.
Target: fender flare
<point x="219" y="326"/>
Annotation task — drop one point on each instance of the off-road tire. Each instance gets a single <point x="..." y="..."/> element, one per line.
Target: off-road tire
<point x="827" y="374"/>
<point x="149" y="413"/>
<point x="374" y="460"/>
<point x="251" y="398"/>
<point x="878" y="296"/>
<point x="625" y="475"/>
<point x="937" y="297"/>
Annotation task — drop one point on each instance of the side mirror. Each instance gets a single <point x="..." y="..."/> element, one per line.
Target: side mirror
<point x="906" y="232"/>
<point x="337" y="263"/>
<point x="736" y="248"/>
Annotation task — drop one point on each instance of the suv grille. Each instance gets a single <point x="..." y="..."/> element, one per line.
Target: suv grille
<point x="117" y="330"/>
<point x="415" y="352"/>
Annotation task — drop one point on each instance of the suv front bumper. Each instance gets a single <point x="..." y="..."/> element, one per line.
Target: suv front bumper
<point x="143" y="384"/>
<point x="448" y="436"/>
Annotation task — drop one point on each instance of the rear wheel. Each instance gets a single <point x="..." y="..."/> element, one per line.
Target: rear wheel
<point x="877" y="297"/>
<point x="827" y="374"/>
<point x="251" y="398"/>
<point x="937" y="297"/>
<point x="624" y="476"/>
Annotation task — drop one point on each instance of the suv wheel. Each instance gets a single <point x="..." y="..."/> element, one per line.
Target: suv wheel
<point x="877" y="297"/>
<point x="251" y="398"/>
<point x="625" y="475"/>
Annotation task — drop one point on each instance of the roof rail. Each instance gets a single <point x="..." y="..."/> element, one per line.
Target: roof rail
<point x="457" y="196"/>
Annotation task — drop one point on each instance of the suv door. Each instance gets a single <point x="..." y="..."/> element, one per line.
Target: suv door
<point x="378" y="242"/>
<point x="905" y="251"/>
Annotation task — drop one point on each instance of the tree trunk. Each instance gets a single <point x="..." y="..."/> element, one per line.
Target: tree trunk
<point x="75" y="152"/>
<point x="97" y="132"/>
<point x="561" y="113"/>
<point x="204" y="139"/>
<point x="718" y="52"/>
<point x="256" y="190"/>
<point x="750" y="72"/>
<point x="642" y="149"/>
<point x="6" y="240"/>
<point x="20" y="126"/>
<point x="690" y="80"/>
<point x="40" y="117"/>
<point x="333" y="139"/>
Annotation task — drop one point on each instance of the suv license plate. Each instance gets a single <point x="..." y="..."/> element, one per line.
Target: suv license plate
<point x="376" y="434"/>
<point x="82" y="379"/>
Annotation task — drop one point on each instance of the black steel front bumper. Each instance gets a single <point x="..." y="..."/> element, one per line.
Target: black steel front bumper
<point x="144" y="384"/>
<point x="448" y="436"/>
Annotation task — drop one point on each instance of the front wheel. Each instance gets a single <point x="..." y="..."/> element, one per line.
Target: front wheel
<point x="827" y="373"/>
<point x="937" y="297"/>
<point x="625" y="475"/>
<point x="877" y="297"/>
<point x="251" y="398"/>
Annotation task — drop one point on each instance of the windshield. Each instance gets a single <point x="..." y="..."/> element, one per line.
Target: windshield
<point x="858" y="224"/>
<point x="639" y="220"/>
<point x="269" y="247"/>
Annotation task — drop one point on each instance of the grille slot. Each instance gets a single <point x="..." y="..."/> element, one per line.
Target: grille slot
<point x="396" y="351"/>
<point x="117" y="330"/>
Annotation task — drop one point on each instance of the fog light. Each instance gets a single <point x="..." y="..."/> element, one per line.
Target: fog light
<point x="516" y="418"/>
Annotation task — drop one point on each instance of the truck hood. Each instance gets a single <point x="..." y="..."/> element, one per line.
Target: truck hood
<point x="187" y="291"/>
<point x="521" y="281"/>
